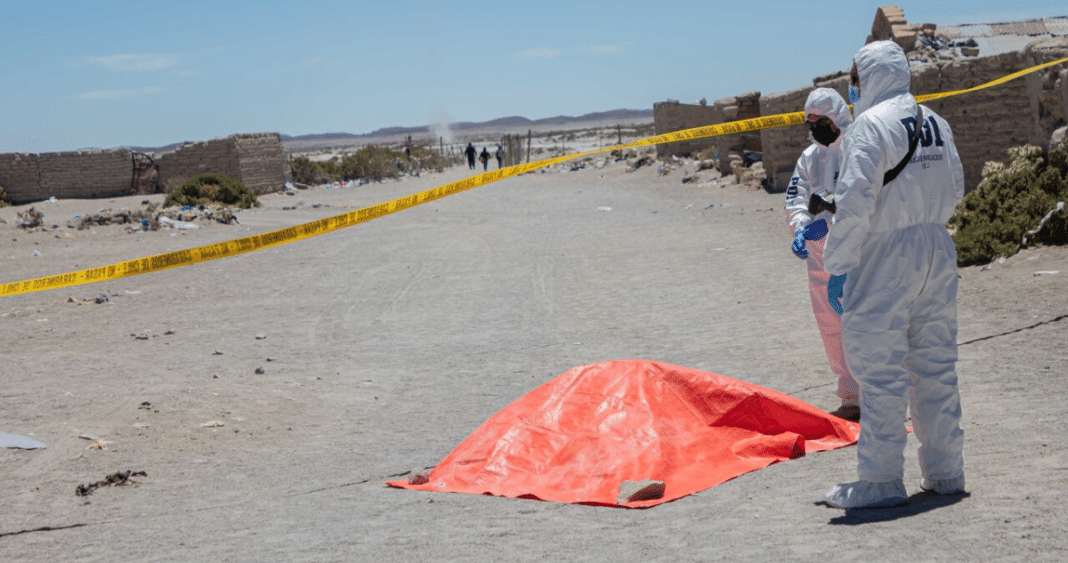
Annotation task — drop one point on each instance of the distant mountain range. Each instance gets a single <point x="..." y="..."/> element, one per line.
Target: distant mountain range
<point x="467" y="130"/>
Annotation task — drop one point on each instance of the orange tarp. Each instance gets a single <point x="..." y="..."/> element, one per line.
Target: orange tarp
<point x="576" y="438"/>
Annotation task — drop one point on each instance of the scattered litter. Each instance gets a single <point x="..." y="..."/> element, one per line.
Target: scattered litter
<point x="212" y="424"/>
<point x="98" y="445"/>
<point x="146" y="406"/>
<point x="36" y="253"/>
<point x="52" y="200"/>
<point x="16" y="442"/>
<point x="261" y="336"/>
<point x="117" y="479"/>
<point x="216" y="353"/>
<point x="1047" y="272"/>
<point x="604" y="209"/>
<point x="182" y="225"/>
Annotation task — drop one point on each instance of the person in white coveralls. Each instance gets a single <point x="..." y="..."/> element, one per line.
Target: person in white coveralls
<point x="895" y="282"/>
<point x="828" y="118"/>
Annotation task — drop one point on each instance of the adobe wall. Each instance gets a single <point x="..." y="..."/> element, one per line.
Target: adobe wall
<point x="29" y="177"/>
<point x="672" y="116"/>
<point x="262" y="162"/>
<point x="256" y="160"/>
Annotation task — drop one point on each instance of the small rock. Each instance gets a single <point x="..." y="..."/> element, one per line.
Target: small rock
<point x="261" y="336"/>
<point x="259" y="371"/>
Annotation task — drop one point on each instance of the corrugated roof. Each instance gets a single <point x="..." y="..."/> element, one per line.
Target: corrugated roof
<point x="953" y="32"/>
<point x="1046" y="26"/>
<point x="998" y="44"/>
<point x="1056" y="26"/>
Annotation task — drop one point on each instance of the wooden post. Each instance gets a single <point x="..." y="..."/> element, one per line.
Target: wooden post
<point x="528" y="145"/>
<point x="619" y="131"/>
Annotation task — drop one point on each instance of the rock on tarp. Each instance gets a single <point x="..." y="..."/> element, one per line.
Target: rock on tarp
<point x="578" y="437"/>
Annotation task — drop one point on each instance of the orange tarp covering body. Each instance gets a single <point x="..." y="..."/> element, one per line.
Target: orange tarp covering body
<point x="576" y="438"/>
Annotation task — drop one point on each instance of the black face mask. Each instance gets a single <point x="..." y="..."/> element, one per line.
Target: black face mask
<point x="822" y="132"/>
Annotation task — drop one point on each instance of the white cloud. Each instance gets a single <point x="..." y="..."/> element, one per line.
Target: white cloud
<point x="605" y="49"/>
<point x="538" y="53"/>
<point x="135" y="63"/>
<point x="116" y="94"/>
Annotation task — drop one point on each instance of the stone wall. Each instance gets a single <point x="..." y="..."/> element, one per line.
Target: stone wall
<point x="29" y="177"/>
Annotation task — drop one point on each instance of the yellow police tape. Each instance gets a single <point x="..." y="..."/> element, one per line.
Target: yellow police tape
<point x="329" y="224"/>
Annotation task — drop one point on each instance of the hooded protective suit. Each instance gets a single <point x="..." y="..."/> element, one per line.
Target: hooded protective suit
<point x="899" y="326"/>
<point x="817" y="170"/>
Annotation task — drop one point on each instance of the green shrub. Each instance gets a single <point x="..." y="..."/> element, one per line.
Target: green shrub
<point x="1010" y="201"/>
<point x="3" y="198"/>
<point x="212" y="188"/>
<point x="307" y="172"/>
<point x="371" y="163"/>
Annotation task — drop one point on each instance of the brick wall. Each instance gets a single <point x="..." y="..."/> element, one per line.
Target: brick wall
<point x="672" y="116"/>
<point x="262" y="162"/>
<point x="256" y="160"/>
<point x="20" y="177"/>
<point x="29" y="177"/>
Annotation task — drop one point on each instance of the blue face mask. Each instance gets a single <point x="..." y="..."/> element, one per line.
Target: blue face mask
<point x="854" y="94"/>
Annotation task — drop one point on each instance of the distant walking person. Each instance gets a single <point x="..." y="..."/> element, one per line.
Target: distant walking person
<point x="500" y="157"/>
<point x="484" y="157"/>
<point x="470" y="152"/>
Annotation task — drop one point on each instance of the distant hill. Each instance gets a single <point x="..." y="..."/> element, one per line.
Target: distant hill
<point x="466" y="130"/>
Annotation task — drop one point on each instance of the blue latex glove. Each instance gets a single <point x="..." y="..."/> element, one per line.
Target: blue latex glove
<point x="835" y="289"/>
<point x="798" y="246"/>
<point x="813" y="231"/>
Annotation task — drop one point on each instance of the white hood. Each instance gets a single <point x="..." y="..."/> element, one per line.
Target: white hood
<point x="825" y="101"/>
<point x="884" y="73"/>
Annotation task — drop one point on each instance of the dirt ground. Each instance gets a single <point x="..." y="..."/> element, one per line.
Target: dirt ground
<point x="383" y="345"/>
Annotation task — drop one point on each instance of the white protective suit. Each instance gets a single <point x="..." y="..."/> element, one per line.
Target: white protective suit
<point x="899" y="324"/>
<point x="817" y="170"/>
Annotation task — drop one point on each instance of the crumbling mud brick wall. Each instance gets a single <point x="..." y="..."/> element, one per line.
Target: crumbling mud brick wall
<point x="736" y="108"/>
<point x="672" y="116"/>
<point x="988" y="122"/>
<point x="256" y="160"/>
<point x="29" y="177"/>
<point x="262" y="162"/>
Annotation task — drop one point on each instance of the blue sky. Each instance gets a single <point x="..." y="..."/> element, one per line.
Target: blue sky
<point x="76" y="75"/>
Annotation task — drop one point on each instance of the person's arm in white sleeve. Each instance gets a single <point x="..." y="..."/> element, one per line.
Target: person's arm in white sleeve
<point x="858" y="190"/>
<point x="797" y="193"/>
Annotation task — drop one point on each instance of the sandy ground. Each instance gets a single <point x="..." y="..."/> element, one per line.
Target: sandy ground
<point x="385" y="344"/>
